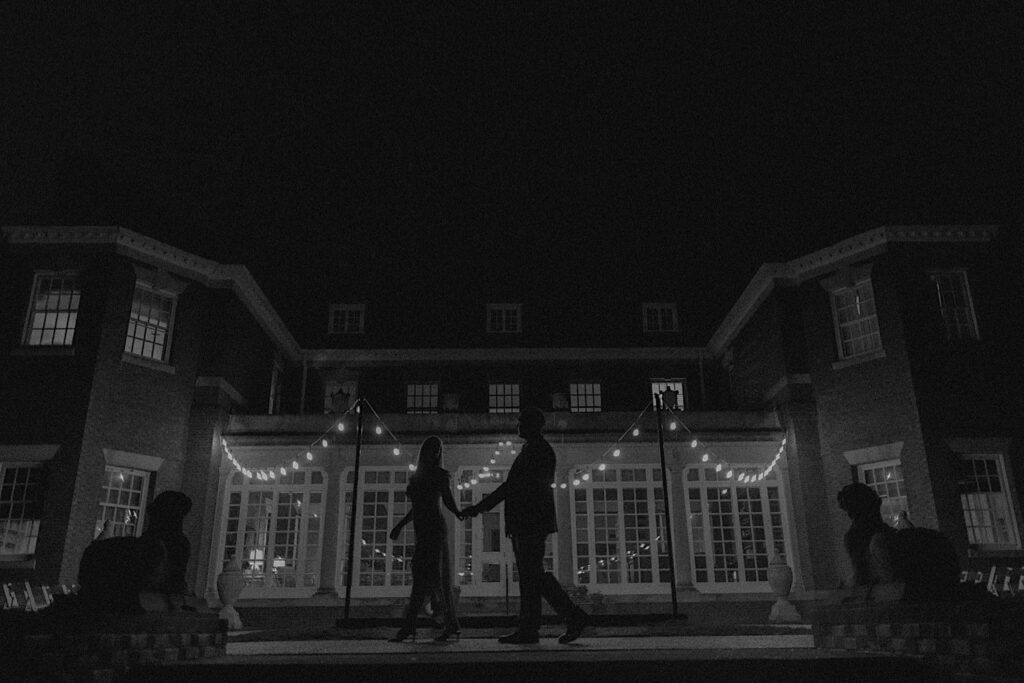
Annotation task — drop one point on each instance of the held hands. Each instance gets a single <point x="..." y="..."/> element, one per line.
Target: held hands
<point x="469" y="511"/>
<point x="394" y="533"/>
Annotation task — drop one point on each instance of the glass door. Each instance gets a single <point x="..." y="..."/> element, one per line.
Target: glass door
<point x="485" y="557"/>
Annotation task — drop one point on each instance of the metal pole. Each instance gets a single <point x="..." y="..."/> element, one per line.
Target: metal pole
<point x="668" y="510"/>
<point x="355" y="506"/>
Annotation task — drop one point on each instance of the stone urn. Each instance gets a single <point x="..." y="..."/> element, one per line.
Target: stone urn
<point x="229" y="586"/>
<point x="780" y="578"/>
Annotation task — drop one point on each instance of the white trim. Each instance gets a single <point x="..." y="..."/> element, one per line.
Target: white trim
<point x="207" y="272"/>
<point x="28" y="452"/>
<point x="136" y="461"/>
<point x="874" y="454"/>
<point x="812" y="265"/>
<point x="367" y="357"/>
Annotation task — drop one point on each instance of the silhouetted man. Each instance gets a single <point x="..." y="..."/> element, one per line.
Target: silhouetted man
<point x="529" y="518"/>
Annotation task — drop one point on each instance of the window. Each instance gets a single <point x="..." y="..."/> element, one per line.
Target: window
<point x="619" y="528"/>
<point x="123" y="501"/>
<point x="677" y="385"/>
<point x="985" y="502"/>
<point x="421" y="399"/>
<point x="503" y="398"/>
<point x="660" y="318"/>
<point x="955" y="305"/>
<point x="585" y="397"/>
<point x="856" y="323"/>
<point x="53" y="310"/>
<point x="380" y="562"/>
<point x="21" y="508"/>
<point x="504" y="318"/>
<point x="735" y="527"/>
<point x="886" y="479"/>
<point x="150" y="324"/>
<point x="347" y="318"/>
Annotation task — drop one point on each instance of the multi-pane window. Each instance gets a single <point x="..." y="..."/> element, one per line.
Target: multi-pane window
<point x="619" y="528"/>
<point x="503" y="397"/>
<point x="886" y="479"/>
<point x="855" y="320"/>
<point x="504" y="317"/>
<point x="53" y="310"/>
<point x="985" y="502"/>
<point x="122" y="501"/>
<point x="275" y="528"/>
<point x="421" y="399"/>
<point x="735" y="527"/>
<point x="955" y="305"/>
<point x="21" y="508"/>
<point x="660" y="317"/>
<point x="347" y="318"/>
<point x="585" y="397"/>
<point x="150" y="324"/>
<point x="379" y="561"/>
<point x="676" y="385"/>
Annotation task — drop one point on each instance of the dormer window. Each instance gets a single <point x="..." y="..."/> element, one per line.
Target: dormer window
<point x="856" y="323"/>
<point x="151" y="322"/>
<point x="53" y="310"/>
<point x="504" y="318"/>
<point x="347" y="319"/>
<point x="660" y="317"/>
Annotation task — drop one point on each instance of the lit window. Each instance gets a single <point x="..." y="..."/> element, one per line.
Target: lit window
<point x="676" y="385"/>
<point x="986" y="505"/>
<point x="855" y="320"/>
<point x="123" y="501"/>
<point x="886" y="479"/>
<point x="53" y="310"/>
<point x="503" y="398"/>
<point x="150" y="324"/>
<point x="21" y="508"/>
<point x="954" y="298"/>
<point x="421" y="399"/>
<point x="585" y="397"/>
<point x="504" y="318"/>
<point x="660" y="318"/>
<point x="347" y="318"/>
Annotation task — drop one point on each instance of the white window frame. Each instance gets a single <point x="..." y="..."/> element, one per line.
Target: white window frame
<point x="421" y="398"/>
<point x="699" y="519"/>
<point x="892" y="479"/>
<point x="584" y="530"/>
<point x="504" y="397"/>
<point x="504" y="318"/>
<point x="105" y="503"/>
<point x="959" y="320"/>
<point x="33" y="523"/>
<point x="660" y="384"/>
<point x="585" y="397"/>
<point x="397" y="568"/>
<point x="74" y="303"/>
<point x="342" y="312"/>
<point x="1011" y="528"/>
<point x="869" y="319"/>
<point x="144" y="288"/>
<point x="658" y="309"/>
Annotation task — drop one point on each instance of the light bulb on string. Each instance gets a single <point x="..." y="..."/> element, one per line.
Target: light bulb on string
<point x="513" y="451"/>
<point x="378" y="430"/>
<point x="284" y="471"/>
<point x="704" y="458"/>
<point x="575" y="482"/>
<point x="718" y="467"/>
<point x="323" y="442"/>
<point x="458" y="487"/>
<point x="602" y="467"/>
<point x="272" y="475"/>
<point x="586" y="477"/>
<point x="341" y="426"/>
<point x="474" y="481"/>
<point x="396" y="451"/>
<point x="295" y="464"/>
<point x="728" y="475"/>
<point x="636" y="431"/>
<point x="562" y="485"/>
<point x="554" y="485"/>
<point x="672" y="426"/>
<point x="693" y="444"/>
<point x="493" y="461"/>
<point x="616" y="453"/>
<point x="412" y="467"/>
<point x="309" y="456"/>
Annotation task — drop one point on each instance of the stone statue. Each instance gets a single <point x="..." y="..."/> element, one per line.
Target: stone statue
<point x="910" y="564"/>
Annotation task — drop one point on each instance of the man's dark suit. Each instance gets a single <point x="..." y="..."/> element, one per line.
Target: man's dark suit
<point x="529" y="518"/>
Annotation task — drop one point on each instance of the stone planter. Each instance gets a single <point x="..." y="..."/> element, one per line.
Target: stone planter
<point x="229" y="586"/>
<point x="780" y="578"/>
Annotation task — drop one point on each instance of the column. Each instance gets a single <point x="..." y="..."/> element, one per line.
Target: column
<point x="565" y="572"/>
<point x="675" y="505"/>
<point x="331" y="552"/>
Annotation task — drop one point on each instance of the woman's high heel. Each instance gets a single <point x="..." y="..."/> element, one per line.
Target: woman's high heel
<point x="403" y="633"/>
<point x="445" y="634"/>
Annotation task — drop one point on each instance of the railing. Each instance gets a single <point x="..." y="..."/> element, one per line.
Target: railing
<point x="1007" y="583"/>
<point x="24" y="596"/>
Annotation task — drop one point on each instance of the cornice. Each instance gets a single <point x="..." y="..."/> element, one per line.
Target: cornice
<point x="148" y="250"/>
<point x="357" y="357"/>
<point x="858" y="247"/>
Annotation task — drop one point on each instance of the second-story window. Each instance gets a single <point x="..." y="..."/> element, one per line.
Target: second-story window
<point x="856" y="323"/>
<point x="347" y="319"/>
<point x="660" y="317"/>
<point x="955" y="305"/>
<point x="53" y="310"/>
<point x="503" y="397"/>
<point x="585" y="397"/>
<point x="504" y="317"/>
<point x="677" y="385"/>
<point x="151" y="323"/>
<point x="421" y="399"/>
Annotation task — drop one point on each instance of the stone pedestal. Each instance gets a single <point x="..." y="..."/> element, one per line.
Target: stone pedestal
<point x="229" y="586"/>
<point x="780" y="578"/>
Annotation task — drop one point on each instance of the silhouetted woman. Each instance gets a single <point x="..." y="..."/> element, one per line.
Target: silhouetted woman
<point x="428" y="486"/>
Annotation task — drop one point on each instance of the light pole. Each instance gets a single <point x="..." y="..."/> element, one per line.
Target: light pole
<point x="668" y="511"/>
<point x="355" y="506"/>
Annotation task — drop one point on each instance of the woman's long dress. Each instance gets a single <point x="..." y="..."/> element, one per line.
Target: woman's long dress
<point x="431" y="560"/>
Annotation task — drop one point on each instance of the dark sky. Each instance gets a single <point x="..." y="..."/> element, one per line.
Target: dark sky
<point x="590" y="148"/>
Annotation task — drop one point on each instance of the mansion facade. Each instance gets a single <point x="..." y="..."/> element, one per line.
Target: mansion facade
<point x="130" y="367"/>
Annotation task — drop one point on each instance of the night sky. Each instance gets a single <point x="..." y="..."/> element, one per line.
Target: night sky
<point x="596" y="149"/>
